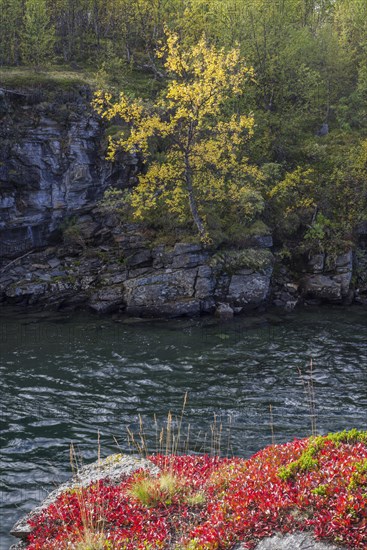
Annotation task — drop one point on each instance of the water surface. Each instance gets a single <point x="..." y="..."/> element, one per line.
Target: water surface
<point x="63" y="380"/>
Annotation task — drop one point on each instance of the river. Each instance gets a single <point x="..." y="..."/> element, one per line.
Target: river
<point x="66" y="379"/>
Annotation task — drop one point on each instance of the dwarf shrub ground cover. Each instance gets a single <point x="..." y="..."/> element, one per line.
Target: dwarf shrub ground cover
<point x="208" y="503"/>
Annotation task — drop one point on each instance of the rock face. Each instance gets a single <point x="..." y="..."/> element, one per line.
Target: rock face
<point x="57" y="251"/>
<point x="296" y="541"/>
<point x="361" y="265"/>
<point x="319" y="279"/>
<point x="334" y="282"/>
<point x="141" y="281"/>
<point x="51" y="166"/>
<point x="248" y="288"/>
<point x="320" y="286"/>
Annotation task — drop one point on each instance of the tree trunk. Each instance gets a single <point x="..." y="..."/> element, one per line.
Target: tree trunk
<point x="192" y="201"/>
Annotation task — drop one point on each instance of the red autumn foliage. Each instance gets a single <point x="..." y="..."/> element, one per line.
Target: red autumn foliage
<point x="317" y="484"/>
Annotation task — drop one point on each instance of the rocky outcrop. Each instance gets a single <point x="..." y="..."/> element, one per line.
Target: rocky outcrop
<point x="360" y="266"/>
<point x="108" y="268"/>
<point x="112" y="470"/>
<point x="295" y="541"/>
<point x="128" y="275"/>
<point x="57" y="251"/>
<point x="330" y="280"/>
<point x="52" y="166"/>
<point x="315" y="280"/>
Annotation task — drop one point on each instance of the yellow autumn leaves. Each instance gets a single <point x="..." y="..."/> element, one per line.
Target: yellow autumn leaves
<point x="201" y="166"/>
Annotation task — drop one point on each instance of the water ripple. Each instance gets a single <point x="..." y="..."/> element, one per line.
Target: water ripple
<point x="68" y="380"/>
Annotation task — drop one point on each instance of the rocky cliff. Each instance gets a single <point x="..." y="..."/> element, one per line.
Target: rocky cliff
<point x="59" y="251"/>
<point x="51" y="165"/>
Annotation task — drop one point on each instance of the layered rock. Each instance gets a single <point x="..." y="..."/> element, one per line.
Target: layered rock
<point x="315" y="280"/>
<point x="52" y="166"/>
<point x="128" y="276"/>
<point x="52" y="175"/>
<point x="331" y="278"/>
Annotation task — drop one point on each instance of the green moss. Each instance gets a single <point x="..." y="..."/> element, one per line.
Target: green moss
<point x="308" y="459"/>
<point x="231" y="261"/>
<point x="350" y="436"/>
<point x="306" y="462"/>
<point x="113" y="458"/>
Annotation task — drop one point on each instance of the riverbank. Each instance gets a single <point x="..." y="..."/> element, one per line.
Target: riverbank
<point x="60" y="250"/>
<point x="109" y="269"/>
<point x="201" y="502"/>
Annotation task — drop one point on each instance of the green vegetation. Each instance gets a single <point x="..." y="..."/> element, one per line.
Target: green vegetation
<point x="152" y="490"/>
<point x="308" y="459"/>
<point x="202" y="173"/>
<point x="37" y="38"/>
<point x="164" y="489"/>
<point x="198" y="502"/>
<point x="231" y="261"/>
<point x="308" y="98"/>
<point x="52" y="79"/>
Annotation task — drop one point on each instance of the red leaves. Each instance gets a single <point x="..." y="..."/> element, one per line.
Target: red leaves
<point x="243" y="500"/>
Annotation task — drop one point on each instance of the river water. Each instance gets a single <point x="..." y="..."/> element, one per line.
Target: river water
<point x="66" y="379"/>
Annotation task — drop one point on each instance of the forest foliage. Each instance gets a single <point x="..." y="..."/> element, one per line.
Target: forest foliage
<point x="308" y="97"/>
<point x="201" y="173"/>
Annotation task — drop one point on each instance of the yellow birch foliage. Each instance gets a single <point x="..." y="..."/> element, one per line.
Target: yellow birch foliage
<point x="203" y="167"/>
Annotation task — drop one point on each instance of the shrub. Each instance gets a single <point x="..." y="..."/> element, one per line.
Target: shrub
<point x="208" y="503"/>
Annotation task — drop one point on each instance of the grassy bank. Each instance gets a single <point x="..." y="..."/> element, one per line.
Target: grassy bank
<point x="19" y="78"/>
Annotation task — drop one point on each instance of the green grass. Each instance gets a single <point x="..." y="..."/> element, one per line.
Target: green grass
<point x="52" y="78"/>
<point x="150" y="490"/>
<point x="63" y="78"/>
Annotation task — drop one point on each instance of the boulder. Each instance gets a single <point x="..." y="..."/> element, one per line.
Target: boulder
<point x="248" y="289"/>
<point x="295" y="541"/>
<point x="107" y="300"/>
<point x="186" y="255"/>
<point x="344" y="262"/>
<point x="205" y="283"/>
<point x="139" y="258"/>
<point x="25" y="291"/>
<point x="165" y="293"/>
<point x="316" y="263"/>
<point x="344" y="280"/>
<point x="224" y="311"/>
<point x="322" y="287"/>
<point x="260" y="241"/>
<point x="186" y="248"/>
<point x="180" y="307"/>
<point x="323" y="130"/>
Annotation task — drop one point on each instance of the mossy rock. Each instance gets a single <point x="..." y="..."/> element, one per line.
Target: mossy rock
<point x="232" y="261"/>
